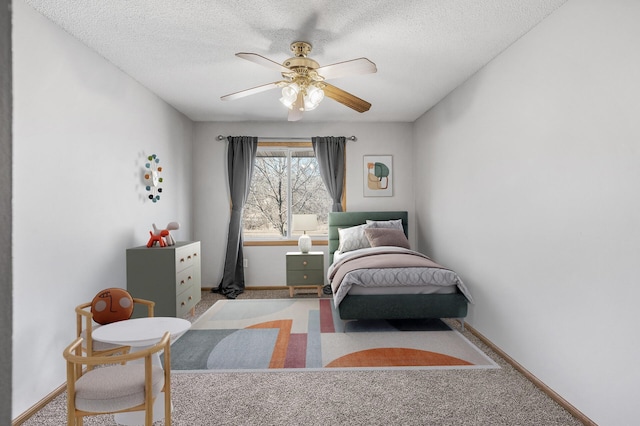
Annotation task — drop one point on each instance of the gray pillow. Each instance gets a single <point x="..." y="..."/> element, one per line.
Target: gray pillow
<point x="386" y="237"/>
<point x="394" y="224"/>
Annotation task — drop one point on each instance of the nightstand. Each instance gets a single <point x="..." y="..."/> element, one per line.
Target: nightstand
<point x="305" y="270"/>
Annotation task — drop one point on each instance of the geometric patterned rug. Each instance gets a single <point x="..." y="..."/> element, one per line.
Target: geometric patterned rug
<point x="307" y="334"/>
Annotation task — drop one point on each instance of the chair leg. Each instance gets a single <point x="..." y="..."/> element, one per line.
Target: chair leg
<point x="73" y="420"/>
<point x="167" y="406"/>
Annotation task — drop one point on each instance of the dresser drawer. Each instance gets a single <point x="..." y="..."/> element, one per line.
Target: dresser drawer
<point x="185" y="278"/>
<point x="186" y="300"/>
<point x="186" y="257"/>
<point x="304" y="262"/>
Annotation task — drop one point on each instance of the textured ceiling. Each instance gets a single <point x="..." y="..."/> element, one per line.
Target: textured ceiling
<point x="183" y="50"/>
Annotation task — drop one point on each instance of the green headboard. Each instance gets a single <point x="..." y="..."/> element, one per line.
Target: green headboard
<point x="347" y="219"/>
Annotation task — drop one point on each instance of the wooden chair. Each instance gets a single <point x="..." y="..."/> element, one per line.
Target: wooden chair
<point x="122" y="387"/>
<point x="85" y="326"/>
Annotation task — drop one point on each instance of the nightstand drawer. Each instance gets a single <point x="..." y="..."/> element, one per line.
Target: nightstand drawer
<point x="303" y="262"/>
<point x="308" y="277"/>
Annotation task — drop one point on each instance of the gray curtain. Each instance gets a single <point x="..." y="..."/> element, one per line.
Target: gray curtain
<point x="329" y="152"/>
<point x="241" y="155"/>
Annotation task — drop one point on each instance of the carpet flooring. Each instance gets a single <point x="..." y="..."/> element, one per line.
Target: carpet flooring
<point x="286" y="334"/>
<point x="377" y="397"/>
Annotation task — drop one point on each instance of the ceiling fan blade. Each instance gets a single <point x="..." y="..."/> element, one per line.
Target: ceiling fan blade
<point x="342" y="69"/>
<point x="346" y="98"/>
<point x="261" y="60"/>
<point x="295" y="113"/>
<point x="247" y="92"/>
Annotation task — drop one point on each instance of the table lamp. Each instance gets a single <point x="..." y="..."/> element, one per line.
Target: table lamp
<point x="304" y="223"/>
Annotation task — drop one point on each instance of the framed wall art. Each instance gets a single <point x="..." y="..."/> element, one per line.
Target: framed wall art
<point x="378" y="175"/>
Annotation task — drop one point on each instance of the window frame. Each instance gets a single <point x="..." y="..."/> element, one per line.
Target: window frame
<point x="270" y="241"/>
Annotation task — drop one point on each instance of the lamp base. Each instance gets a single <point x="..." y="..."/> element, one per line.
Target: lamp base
<point x="304" y="243"/>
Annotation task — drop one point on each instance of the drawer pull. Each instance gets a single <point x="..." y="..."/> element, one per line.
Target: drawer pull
<point x="305" y="277"/>
<point x="183" y="303"/>
<point x="190" y="297"/>
<point x="304" y="263"/>
<point x="189" y="257"/>
<point x="182" y="260"/>
<point x="189" y="278"/>
<point x="181" y="282"/>
<point x="195" y="254"/>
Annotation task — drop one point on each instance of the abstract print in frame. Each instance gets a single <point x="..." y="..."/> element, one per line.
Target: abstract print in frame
<point x="378" y="176"/>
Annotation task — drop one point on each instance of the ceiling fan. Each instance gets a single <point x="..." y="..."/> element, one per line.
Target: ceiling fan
<point x="304" y="81"/>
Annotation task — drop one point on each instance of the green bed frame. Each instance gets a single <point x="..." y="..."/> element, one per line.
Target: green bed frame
<point x="392" y="306"/>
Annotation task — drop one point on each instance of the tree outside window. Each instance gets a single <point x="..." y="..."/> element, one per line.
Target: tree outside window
<point x="286" y="181"/>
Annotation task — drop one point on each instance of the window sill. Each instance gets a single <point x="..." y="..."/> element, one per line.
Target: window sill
<point x="257" y="243"/>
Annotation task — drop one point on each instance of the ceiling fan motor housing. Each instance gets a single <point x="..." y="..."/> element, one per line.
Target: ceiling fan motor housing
<point x="301" y="63"/>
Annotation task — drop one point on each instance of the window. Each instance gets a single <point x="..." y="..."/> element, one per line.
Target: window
<point x="286" y="181"/>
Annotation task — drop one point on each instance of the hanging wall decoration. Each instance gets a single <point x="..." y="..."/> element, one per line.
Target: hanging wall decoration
<point x="152" y="176"/>
<point x="378" y="176"/>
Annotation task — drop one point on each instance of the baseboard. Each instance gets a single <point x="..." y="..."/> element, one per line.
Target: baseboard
<point x="38" y="406"/>
<point x="270" y="287"/>
<point x="533" y="379"/>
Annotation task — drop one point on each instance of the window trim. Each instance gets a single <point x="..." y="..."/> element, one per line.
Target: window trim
<point x="317" y="241"/>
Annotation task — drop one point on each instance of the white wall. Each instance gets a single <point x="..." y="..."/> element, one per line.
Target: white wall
<point x="211" y="207"/>
<point x="531" y="183"/>
<point x="81" y="131"/>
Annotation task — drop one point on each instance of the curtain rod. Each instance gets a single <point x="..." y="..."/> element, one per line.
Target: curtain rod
<point x="349" y="138"/>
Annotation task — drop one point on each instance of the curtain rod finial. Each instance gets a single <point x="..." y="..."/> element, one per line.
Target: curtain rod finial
<point x="220" y="137"/>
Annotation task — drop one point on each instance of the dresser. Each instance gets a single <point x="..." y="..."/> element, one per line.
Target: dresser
<point x="305" y="270"/>
<point x="170" y="276"/>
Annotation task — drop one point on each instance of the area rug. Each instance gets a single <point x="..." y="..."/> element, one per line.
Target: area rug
<point x="307" y="334"/>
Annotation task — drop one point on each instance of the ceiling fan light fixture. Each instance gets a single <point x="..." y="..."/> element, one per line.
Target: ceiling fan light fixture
<point x="289" y="95"/>
<point x="313" y="98"/>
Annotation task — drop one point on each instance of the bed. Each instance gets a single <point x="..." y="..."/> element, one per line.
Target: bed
<point x="387" y="300"/>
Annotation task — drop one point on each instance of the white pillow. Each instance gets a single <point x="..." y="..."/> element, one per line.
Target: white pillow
<point x="393" y="224"/>
<point x="353" y="238"/>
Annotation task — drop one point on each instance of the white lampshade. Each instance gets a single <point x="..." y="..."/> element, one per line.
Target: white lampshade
<point x="304" y="223"/>
<point x="289" y="95"/>
<point x="313" y="98"/>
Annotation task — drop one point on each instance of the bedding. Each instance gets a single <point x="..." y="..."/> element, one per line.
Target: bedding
<point x="390" y="267"/>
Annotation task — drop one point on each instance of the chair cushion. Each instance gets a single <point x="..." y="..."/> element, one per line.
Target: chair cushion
<point x="114" y="388"/>
<point x="111" y="305"/>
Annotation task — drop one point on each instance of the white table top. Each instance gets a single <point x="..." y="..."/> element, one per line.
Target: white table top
<point x="140" y="331"/>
